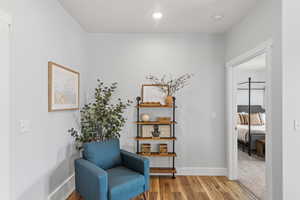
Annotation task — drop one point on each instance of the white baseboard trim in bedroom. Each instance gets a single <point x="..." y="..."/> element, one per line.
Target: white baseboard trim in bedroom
<point x="64" y="190"/>
<point x="199" y="171"/>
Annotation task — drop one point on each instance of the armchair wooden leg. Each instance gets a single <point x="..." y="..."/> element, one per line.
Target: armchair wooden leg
<point x="146" y="195"/>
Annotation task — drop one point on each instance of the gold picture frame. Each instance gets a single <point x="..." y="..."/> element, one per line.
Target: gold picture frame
<point x="63" y="88"/>
<point x="153" y="87"/>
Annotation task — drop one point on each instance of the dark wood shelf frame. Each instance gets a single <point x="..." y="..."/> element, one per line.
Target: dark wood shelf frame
<point x="157" y="154"/>
<point x="154" y="106"/>
<point x="162" y="170"/>
<point x="155" y="123"/>
<point x="172" y="138"/>
<point x="155" y="138"/>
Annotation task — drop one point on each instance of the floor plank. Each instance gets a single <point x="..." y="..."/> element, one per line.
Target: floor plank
<point x="190" y="188"/>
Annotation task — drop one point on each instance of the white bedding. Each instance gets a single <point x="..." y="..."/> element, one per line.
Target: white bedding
<point x="243" y="131"/>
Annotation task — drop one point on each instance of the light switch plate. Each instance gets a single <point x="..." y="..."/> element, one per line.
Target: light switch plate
<point x="25" y="126"/>
<point x="296" y="125"/>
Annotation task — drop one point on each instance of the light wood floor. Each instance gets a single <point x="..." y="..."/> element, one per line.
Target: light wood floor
<point x="191" y="188"/>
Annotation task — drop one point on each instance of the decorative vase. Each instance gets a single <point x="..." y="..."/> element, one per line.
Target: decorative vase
<point x="145" y="117"/>
<point x="155" y="132"/>
<point x="169" y="100"/>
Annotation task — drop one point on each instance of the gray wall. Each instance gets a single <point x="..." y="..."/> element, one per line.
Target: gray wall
<point x="291" y="98"/>
<point x="263" y="23"/>
<point x="42" y="31"/>
<point x="43" y="157"/>
<point x="254" y="29"/>
<point x="128" y="58"/>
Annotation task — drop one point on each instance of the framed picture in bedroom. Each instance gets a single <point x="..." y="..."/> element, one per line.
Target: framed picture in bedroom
<point x="63" y="88"/>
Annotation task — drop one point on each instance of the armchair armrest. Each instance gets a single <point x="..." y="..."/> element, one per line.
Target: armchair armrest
<point x="91" y="181"/>
<point x="138" y="164"/>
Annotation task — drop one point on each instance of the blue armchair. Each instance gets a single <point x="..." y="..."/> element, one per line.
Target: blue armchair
<point x="108" y="173"/>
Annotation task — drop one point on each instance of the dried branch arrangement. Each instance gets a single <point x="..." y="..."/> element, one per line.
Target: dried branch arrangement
<point x="175" y="84"/>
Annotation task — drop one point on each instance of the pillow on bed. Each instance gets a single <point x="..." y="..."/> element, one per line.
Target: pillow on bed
<point x="243" y="118"/>
<point x="238" y="119"/>
<point x="262" y="118"/>
<point x="255" y="119"/>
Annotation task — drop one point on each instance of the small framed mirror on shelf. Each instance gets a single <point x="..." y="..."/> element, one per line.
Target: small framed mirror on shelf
<point x="154" y="94"/>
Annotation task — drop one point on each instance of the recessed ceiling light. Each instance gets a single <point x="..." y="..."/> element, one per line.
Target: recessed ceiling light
<point x="157" y="15"/>
<point x="218" y="17"/>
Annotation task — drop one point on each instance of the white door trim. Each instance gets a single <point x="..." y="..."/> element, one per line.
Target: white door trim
<point x="232" y="149"/>
<point x="5" y="19"/>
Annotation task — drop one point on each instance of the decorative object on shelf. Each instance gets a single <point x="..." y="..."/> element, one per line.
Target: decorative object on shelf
<point x="164" y="119"/>
<point x="163" y="148"/>
<point x="153" y="95"/>
<point x="165" y="131"/>
<point x="156" y="132"/>
<point x="174" y="84"/>
<point x="169" y="100"/>
<point x="146" y="148"/>
<point x="63" y="88"/>
<point x="145" y="117"/>
<point x="100" y="119"/>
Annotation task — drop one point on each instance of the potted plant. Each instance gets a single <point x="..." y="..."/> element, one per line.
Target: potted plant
<point x="175" y="84"/>
<point x="101" y="119"/>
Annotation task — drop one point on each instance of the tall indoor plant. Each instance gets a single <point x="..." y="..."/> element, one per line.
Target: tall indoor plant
<point x="101" y="119"/>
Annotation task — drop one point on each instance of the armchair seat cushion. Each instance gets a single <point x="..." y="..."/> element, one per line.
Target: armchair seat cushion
<point x="124" y="183"/>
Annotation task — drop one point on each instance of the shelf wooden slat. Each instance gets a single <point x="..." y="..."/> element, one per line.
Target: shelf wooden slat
<point x="155" y="138"/>
<point x="155" y="106"/>
<point x="157" y="154"/>
<point x="162" y="170"/>
<point x="155" y="123"/>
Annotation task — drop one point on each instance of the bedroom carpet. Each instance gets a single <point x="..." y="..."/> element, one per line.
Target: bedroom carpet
<point x="252" y="173"/>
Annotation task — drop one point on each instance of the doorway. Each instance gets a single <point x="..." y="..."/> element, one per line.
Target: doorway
<point x="5" y="135"/>
<point x="242" y="148"/>
<point x="251" y="123"/>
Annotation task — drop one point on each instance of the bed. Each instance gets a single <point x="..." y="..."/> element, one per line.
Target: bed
<point x="257" y="132"/>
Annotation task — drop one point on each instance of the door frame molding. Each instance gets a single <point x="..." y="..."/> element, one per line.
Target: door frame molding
<point x="232" y="147"/>
<point x="6" y="19"/>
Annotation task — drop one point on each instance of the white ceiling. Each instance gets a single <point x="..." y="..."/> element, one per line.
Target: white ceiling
<point x="256" y="64"/>
<point x="129" y="16"/>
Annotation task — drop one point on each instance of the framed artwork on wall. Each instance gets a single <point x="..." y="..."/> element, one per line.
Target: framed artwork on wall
<point x="63" y="88"/>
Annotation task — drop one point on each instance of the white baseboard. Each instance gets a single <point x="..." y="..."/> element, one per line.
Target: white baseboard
<point x="64" y="190"/>
<point x="200" y="171"/>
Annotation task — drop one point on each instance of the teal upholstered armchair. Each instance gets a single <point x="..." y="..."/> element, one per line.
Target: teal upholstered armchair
<point x="108" y="173"/>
